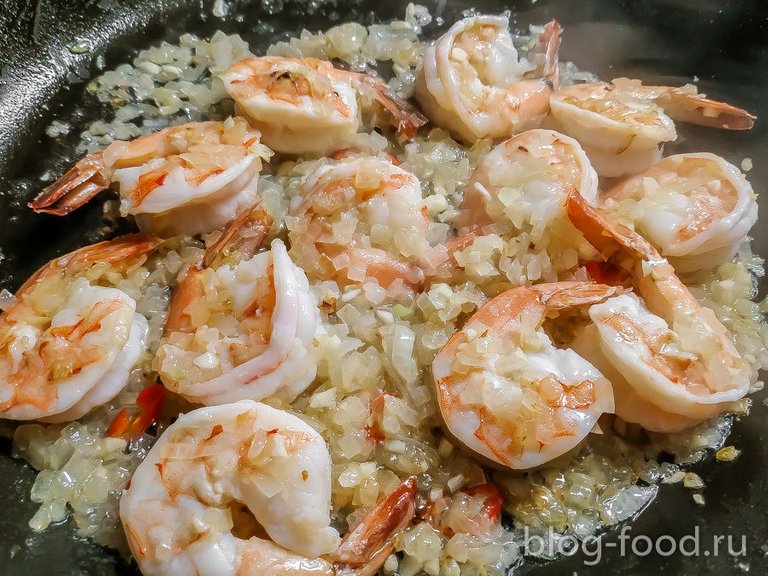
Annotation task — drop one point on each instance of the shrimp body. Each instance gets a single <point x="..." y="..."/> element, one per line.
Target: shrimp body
<point x="306" y="105"/>
<point x="506" y="392"/>
<point x="695" y="209"/>
<point x="187" y="179"/>
<point x="673" y="353"/>
<point x="362" y="219"/>
<point x="622" y="124"/>
<point x="191" y="504"/>
<point x="474" y="86"/>
<point x="240" y="331"/>
<point x="67" y="345"/>
<point x="527" y="177"/>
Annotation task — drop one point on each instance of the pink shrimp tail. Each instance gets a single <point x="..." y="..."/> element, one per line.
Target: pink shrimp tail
<point x="117" y="252"/>
<point x="530" y="97"/>
<point x="81" y="183"/>
<point x="366" y="547"/>
<point x="573" y="294"/>
<point x="548" y="45"/>
<point x="686" y="104"/>
<point x="405" y="117"/>
<point x="705" y="112"/>
<point x="606" y="236"/>
<point x="248" y="230"/>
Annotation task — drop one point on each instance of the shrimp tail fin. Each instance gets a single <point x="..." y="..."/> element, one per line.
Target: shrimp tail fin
<point x="246" y="232"/>
<point x="405" y="117"/>
<point x="547" y="52"/>
<point x="123" y="250"/>
<point x="567" y="295"/>
<point x="120" y="251"/>
<point x="188" y="289"/>
<point x="79" y="185"/>
<point x="607" y="237"/>
<point x="367" y="546"/>
<point x="688" y="106"/>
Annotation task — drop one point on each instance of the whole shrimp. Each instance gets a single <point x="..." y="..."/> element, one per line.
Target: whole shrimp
<point x="187" y="179"/>
<point x="504" y="390"/>
<point x="362" y="219"/>
<point x="240" y="326"/>
<point x="695" y="209"/>
<point x="68" y="344"/>
<point x="666" y="349"/>
<point x="473" y="85"/>
<point x="527" y="177"/>
<point x="306" y="105"/>
<point x="245" y="489"/>
<point x="623" y="123"/>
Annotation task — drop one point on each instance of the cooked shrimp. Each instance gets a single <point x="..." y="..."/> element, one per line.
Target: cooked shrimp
<point x="473" y="85"/>
<point x="240" y="327"/>
<point x="506" y="392"/>
<point x="187" y="179"/>
<point x="245" y="489"/>
<point x="527" y="177"/>
<point x="695" y="209"/>
<point x="673" y="352"/>
<point x="307" y="106"/>
<point x="622" y="124"/>
<point x="67" y="344"/>
<point x="686" y="104"/>
<point x="362" y="219"/>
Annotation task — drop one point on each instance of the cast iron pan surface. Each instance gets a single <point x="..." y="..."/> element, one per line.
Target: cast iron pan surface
<point x="49" y="48"/>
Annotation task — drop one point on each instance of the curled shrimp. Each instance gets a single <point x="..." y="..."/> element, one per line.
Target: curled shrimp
<point x="240" y="326"/>
<point x="306" y="105"/>
<point x="695" y="209"/>
<point x="68" y="344"/>
<point x="672" y="353"/>
<point x="362" y="219"/>
<point x="473" y="85"/>
<point x="187" y="179"/>
<point x="527" y="177"/>
<point x="245" y="489"/>
<point x="506" y="392"/>
<point x="623" y="123"/>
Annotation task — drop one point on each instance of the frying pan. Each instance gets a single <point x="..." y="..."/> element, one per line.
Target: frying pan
<point x="49" y="48"/>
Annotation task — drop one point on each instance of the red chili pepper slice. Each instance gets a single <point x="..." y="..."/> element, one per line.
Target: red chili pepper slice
<point x="119" y="424"/>
<point x="150" y="402"/>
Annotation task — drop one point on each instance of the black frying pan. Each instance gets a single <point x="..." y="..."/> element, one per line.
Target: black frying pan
<point x="42" y="76"/>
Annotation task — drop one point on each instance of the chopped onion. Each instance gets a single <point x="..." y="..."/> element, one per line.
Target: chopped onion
<point x="7" y="299"/>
